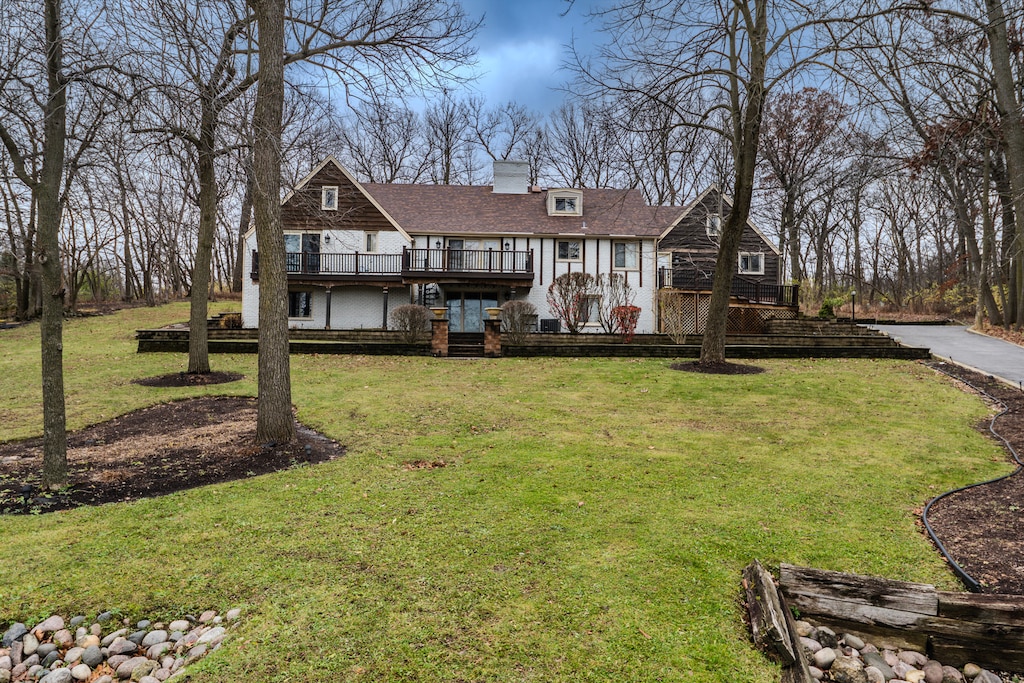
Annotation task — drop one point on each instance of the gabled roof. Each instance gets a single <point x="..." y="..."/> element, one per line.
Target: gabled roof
<point x="685" y="211"/>
<point x="476" y="210"/>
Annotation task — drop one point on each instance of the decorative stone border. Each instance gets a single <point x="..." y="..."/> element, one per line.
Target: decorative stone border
<point x="107" y="650"/>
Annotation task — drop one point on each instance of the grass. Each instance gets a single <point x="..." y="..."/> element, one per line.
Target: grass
<point x="590" y="525"/>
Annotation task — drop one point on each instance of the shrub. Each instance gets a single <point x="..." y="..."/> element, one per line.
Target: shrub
<point x="517" y="319"/>
<point x="829" y="305"/>
<point x="412" y="322"/>
<point x="626" y="318"/>
<point x="677" y="315"/>
<point x="568" y="299"/>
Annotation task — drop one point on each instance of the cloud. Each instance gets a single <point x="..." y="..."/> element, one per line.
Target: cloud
<point x="526" y="72"/>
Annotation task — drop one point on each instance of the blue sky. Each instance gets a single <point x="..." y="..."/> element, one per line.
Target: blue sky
<point x="521" y="48"/>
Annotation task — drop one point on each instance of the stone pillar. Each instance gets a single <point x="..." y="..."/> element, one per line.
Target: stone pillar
<point x="439" y="337"/>
<point x="492" y="338"/>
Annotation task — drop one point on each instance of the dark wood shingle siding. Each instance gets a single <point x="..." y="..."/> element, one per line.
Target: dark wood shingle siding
<point x="355" y="212"/>
<point x="694" y="250"/>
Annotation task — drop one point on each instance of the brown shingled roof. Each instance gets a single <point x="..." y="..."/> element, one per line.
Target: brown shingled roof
<point x="473" y="209"/>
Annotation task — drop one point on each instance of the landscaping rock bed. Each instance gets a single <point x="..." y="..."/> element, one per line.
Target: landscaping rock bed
<point x="846" y="658"/>
<point x="105" y="650"/>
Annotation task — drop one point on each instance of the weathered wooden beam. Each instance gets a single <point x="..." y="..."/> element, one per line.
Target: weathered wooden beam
<point x="982" y="608"/>
<point x="767" y="619"/>
<point x="884" y="594"/>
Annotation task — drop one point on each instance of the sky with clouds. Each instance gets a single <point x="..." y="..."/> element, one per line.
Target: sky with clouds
<point x="521" y="48"/>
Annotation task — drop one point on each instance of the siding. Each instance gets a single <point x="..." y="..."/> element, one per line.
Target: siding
<point x="355" y="212"/>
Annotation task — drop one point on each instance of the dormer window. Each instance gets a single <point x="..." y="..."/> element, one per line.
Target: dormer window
<point x="329" y="198"/>
<point x="713" y="225"/>
<point x="565" y="203"/>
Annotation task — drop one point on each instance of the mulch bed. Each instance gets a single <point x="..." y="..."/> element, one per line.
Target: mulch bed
<point x="980" y="526"/>
<point x="155" y="451"/>
<point x="723" y="368"/>
<point x="189" y="379"/>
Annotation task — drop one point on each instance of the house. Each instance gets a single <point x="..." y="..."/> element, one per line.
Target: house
<point x="356" y="251"/>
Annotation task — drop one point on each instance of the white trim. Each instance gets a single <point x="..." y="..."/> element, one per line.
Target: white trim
<point x="739" y="262"/>
<point x="637" y="251"/>
<point x="325" y="192"/>
<point x="565" y="193"/>
<point x="559" y="259"/>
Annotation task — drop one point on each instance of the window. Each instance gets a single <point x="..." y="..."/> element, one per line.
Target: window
<point x="751" y="264"/>
<point x="569" y="250"/>
<point x="302" y="252"/>
<point x="626" y="255"/>
<point x="329" y="198"/>
<point x="590" y="313"/>
<point x="714" y="226"/>
<point x="565" y="203"/>
<point x="300" y="304"/>
<point x="371" y="242"/>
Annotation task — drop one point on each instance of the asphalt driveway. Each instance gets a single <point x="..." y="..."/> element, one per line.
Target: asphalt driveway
<point x="956" y="343"/>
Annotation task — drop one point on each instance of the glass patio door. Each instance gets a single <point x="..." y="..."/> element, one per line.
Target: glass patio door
<point x="467" y="310"/>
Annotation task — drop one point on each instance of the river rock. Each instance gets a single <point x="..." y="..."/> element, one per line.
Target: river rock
<point x="213" y="636"/>
<point x="853" y="641"/>
<point x="932" y="671"/>
<point x="117" y="660"/>
<point x="158" y="650"/>
<point x="15" y="652"/>
<point x="874" y="674"/>
<point x="914" y="676"/>
<point x="154" y="637"/>
<point x="951" y="675"/>
<point x="96" y="630"/>
<point x="76" y="621"/>
<point x="986" y="676"/>
<point x="195" y="653"/>
<point x="233" y="614"/>
<point x="92" y="656"/>
<point x="63" y="638"/>
<point x="900" y="669"/>
<point x="121" y="646"/>
<point x="81" y="672"/>
<point x="876" y="660"/>
<point x="103" y="617"/>
<point x="73" y="655"/>
<point x="29" y="644"/>
<point x="14" y="634"/>
<point x="50" y="624"/>
<point x="824" y="657"/>
<point x="827" y="637"/>
<point x="207" y="616"/>
<point x="124" y="670"/>
<point x="811" y="646"/>
<point x="104" y="679"/>
<point x="848" y="670"/>
<point x="137" y="637"/>
<point x="113" y="636"/>
<point x="51" y="657"/>
<point x="58" y="676"/>
<point x="144" y="669"/>
<point x="162" y="674"/>
<point x="179" y="625"/>
<point x="816" y="673"/>
<point x="86" y="640"/>
<point x="45" y="649"/>
<point x="6" y="663"/>
<point x="914" y="659"/>
<point x="143" y="625"/>
<point x="5" y="676"/>
<point x="971" y="670"/>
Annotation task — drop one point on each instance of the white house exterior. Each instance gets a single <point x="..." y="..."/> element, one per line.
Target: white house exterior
<point x="358" y="251"/>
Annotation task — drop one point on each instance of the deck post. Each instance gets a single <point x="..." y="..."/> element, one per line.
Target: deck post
<point x="385" y="325"/>
<point x="327" y="326"/>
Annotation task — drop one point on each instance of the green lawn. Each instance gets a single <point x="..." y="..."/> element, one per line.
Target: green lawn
<point x="591" y="523"/>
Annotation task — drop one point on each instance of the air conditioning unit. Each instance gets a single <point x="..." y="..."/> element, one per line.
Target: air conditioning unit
<point x="550" y="325"/>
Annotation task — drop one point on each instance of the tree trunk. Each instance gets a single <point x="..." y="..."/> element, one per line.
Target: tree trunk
<point x="198" y="349"/>
<point x="747" y="130"/>
<point x="274" y="421"/>
<point x="1009" y="118"/>
<point x="55" y="445"/>
<point x="243" y="225"/>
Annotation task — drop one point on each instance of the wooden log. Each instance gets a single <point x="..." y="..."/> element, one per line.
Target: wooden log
<point x="885" y="594"/>
<point x="767" y="619"/>
<point x="983" y="609"/>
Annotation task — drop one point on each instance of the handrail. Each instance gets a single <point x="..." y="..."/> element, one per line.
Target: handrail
<point x="467" y="260"/>
<point x="752" y="290"/>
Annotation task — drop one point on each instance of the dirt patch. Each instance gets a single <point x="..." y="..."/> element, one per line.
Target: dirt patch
<point x="980" y="526"/>
<point x="155" y="451"/>
<point x="189" y="379"/>
<point x="723" y="368"/>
